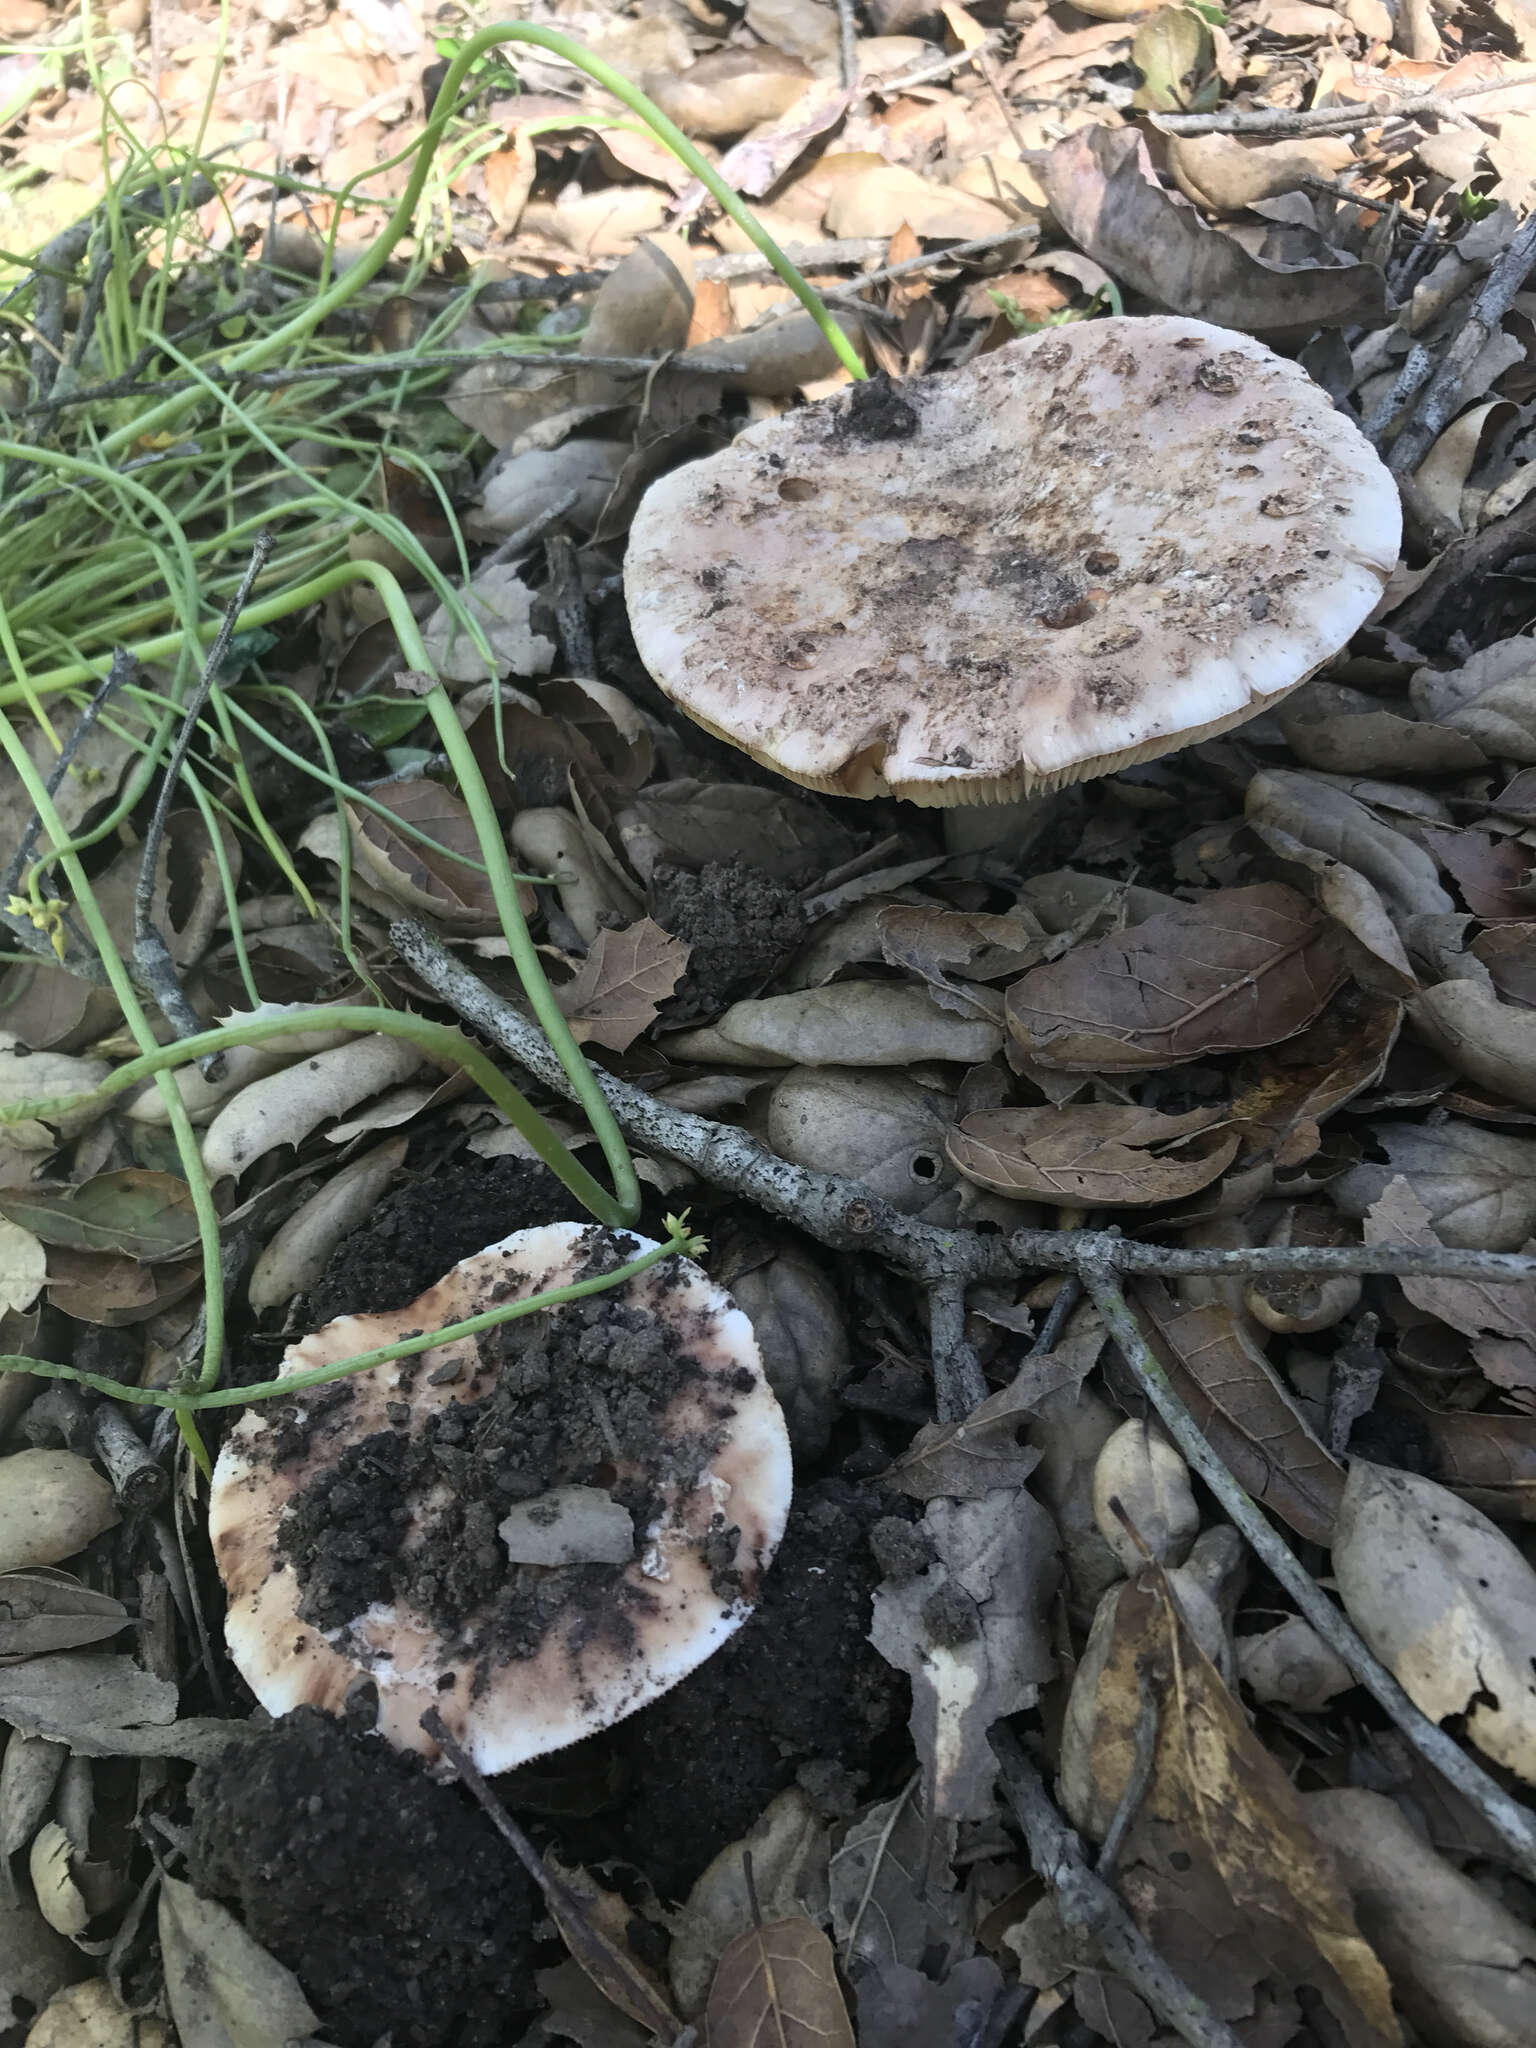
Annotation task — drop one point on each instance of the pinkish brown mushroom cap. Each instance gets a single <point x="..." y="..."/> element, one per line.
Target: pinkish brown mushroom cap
<point x="695" y="1571"/>
<point x="1093" y="546"/>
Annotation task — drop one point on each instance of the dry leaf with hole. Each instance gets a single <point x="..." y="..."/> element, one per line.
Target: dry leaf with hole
<point x="885" y="1129"/>
<point x="1242" y="1409"/>
<point x="225" y="1991"/>
<point x="777" y="1984"/>
<point x="1447" y="1603"/>
<point x="1238" y="969"/>
<point x="970" y="1634"/>
<point x="1094" y="1155"/>
<point x="618" y="990"/>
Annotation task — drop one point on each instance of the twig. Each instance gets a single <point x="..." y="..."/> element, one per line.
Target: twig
<point x="123" y="670"/>
<point x="137" y="1479"/>
<point x="942" y="67"/>
<point x="1276" y="121"/>
<point x="569" y="603"/>
<point x="844" y="1213"/>
<point x="959" y="1384"/>
<point x="847" y="46"/>
<point x="1026" y="230"/>
<point x="1143" y="1757"/>
<point x="1092" y="1912"/>
<point x="152" y="963"/>
<point x="1439" y="401"/>
<point x="1515" y="1827"/>
<point x="1068" y="1295"/>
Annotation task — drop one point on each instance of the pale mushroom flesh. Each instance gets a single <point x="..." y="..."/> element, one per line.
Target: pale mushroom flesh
<point x="1088" y="548"/>
<point x="708" y="1497"/>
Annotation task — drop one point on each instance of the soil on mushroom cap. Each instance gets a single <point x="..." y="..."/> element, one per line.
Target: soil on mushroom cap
<point x="393" y="1900"/>
<point x="578" y="1396"/>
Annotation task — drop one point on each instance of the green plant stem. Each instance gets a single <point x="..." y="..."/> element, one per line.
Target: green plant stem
<point x="444" y="1044"/>
<point x="679" y="1241"/>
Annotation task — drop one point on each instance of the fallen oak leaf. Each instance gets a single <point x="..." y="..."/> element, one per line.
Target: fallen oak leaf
<point x="43" y="1610"/>
<point x="618" y="990"/>
<point x="777" y="1984"/>
<point x="438" y="879"/>
<point x="1470" y="1306"/>
<point x="136" y="1212"/>
<point x="965" y="1460"/>
<point x="1093" y="1155"/>
<point x="1240" y="969"/>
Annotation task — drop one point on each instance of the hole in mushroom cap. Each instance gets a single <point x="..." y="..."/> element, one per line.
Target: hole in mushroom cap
<point x="924" y="1166"/>
<point x="795" y="490"/>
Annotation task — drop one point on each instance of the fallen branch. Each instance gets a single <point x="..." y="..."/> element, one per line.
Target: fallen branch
<point x="1373" y="113"/>
<point x="1094" y="1913"/>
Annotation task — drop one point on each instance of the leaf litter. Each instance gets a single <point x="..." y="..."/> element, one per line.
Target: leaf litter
<point x="1273" y="992"/>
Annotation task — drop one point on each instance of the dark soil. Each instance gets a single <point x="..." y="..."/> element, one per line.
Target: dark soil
<point x="419" y="1231"/>
<point x="579" y="1397"/>
<point x="800" y="1684"/>
<point x="741" y="924"/>
<point x="874" y="411"/>
<point x="391" y="1898"/>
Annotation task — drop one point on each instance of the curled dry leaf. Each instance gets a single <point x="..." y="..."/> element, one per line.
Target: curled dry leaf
<point x="1491" y="1042"/>
<point x="42" y="1610"/>
<point x="440" y="882"/>
<point x="225" y="1991"/>
<point x="242" y="1064"/>
<point x="1462" y="1964"/>
<point x="968" y="1459"/>
<point x="1380" y="960"/>
<point x="58" y="1896"/>
<point x="618" y="990"/>
<point x="1345" y="732"/>
<point x="850" y="1024"/>
<point x="555" y="842"/>
<point x="929" y="943"/>
<point x="1105" y="193"/>
<point x="33" y="1076"/>
<point x="1447" y="1603"/>
<point x="1094" y="1155"/>
<point x="1140" y="1474"/>
<point x="101" y="1705"/>
<point x="1240" y="968"/>
<point x="1242" y="1410"/>
<point x="884" y="1912"/>
<point x="970" y="1633"/>
<point x="777" y="1983"/>
<point x="296" y="1254"/>
<point x="1282" y="1094"/>
<point x="777" y="360"/>
<point x="500" y="603"/>
<point x="1223" y="1873"/>
<point x="1337" y="824"/>
<point x="1228" y="174"/>
<point x="284" y="1108"/>
<point x="51" y="1505"/>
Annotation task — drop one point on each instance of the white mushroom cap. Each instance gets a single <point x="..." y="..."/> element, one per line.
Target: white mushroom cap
<point x="1095" y="545"/>
<point x="582" y="1677"/>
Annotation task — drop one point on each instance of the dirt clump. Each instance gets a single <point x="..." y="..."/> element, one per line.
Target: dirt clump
<point x="800" y="1683"/>
<point x="741" y="923"/>
<point x="393" y="1901"/>
<point x="419" y="1231"/>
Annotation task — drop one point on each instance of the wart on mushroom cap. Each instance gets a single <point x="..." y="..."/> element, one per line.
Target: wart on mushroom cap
<point x="536" y="1651"/>
<point x="1091" y="547"/>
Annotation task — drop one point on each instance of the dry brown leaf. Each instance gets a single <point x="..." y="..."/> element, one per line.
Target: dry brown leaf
<point x="1489" y="1460"/>
<point x="1479" y="1185"/>
<point x="1279" y="1091"/>
<point x="1508" y="951"/>
<point x="884" y="1914"/>
<point x="965" y="1460"/>
<point x="1491" y="698"/>
<point x="971" y="1635"/>
<point x="1242" y="1410"/>
<point x="43" y="1610"/>
<point x="729" y="91"/>
<point x="1346" y="732"/>
<point x="1219" y="1867"/>
<point x="424" y="878"/>
<point x="849" y="1024"/>
<point x="1105" y="194"/>
<point x="1471" y="1306"/>
<point x="107" y="1288"/>
<point x="1447" y="1603"/>
<point x="1323" y="816"/>
<point x="225" y="1991"/>
<point x="594" y="1924"/>
<point x="788" y="1851"/>
<point x="1238" y="969"/>
<point x="1094" y="1155"/>
<point x="931" y="943"/>
<point x="776" y="1987"/>
<point x="1491" y="1042"/>
<point x="1228" y="174"/>
<point x="617" y="991"/>
<point x="881" y="202"/>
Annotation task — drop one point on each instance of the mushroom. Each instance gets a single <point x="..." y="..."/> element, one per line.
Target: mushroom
<point x="1094" y="545"/>
<point x="445" y="1526"/>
